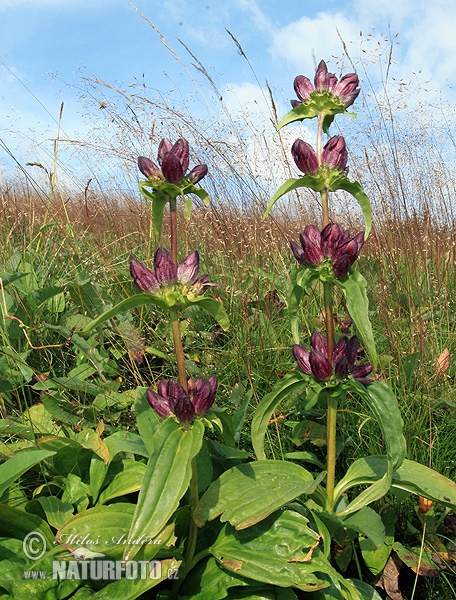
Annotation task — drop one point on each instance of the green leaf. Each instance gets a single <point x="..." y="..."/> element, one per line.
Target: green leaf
<point x="323" y="102"/>
<point x="281" y="550"/>
<point x="292" y="382"/>
<point x="18" y="464"/>
<point x="147" y="420"/>
<point x="248" y="493"/>
<point x="215" y="309"/>
<point x="210" y="581"/>
<point x="56" y="511"/>
<point x="369" y="523"/>
<point x="166" y="479"/>
<point x="124" y="306"/>
<point x="354" y="188"/>
<point x="383" y="403"/>
<point x="15" y="523"/>
<point x="309" y="181"/>
<point x="354" y="287"/>
<point x="302" y="285"/>
<point x="129" y="480"/>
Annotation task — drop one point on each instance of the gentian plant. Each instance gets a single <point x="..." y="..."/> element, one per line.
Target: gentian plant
<point x="177" y="505"/>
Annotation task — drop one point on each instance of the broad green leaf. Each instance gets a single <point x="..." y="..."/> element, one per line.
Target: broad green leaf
<point x="147" y="420"/>
<point x="129" y="589"/>
<point x="248" y="493"/>
<point x="291" y="383"/>
<point x="166" y="479"/>
<point x="215" y="309"/>
<point x="18" y="464"/>
<point x="354" y="188"/>
<point x="208" y="580"/>
<point x="354" y="287"/>
<point x="369" y="523"/>
<point x="124" y="306"/>
<point x="323" y="102"/>
<point x="126" y="482"/>
<point x="302" y="285"/>
<point x="281" y="550"/>
<point x="15" y="523"/>
<point x="55" y="511"/>
<point x="127" y="441"/>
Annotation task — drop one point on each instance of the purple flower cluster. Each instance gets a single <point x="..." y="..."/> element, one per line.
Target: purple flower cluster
<point x="346" y="89"/>
<point x="334" y="155"/>
<point x="166" y="273"/>
<point x="174" y="161"/>
<point x="333" y="243"/>
<point x="316" y="362"/>
<point x="171" y="398"/>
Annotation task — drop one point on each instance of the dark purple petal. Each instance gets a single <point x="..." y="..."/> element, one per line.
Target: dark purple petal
<point x="335" y="155"/>
<point x="321" y="79"/>
<point x="351" y="351"/>
<point x="302" y="358"/>
<point x="359" y="239"/>
<point x="313" y="234"/>
<point x="158" y="403"/>
<point x="330" y="237"/>
<point x="165" y="269"/>
<point x="305" y="157"/>
<point x="143" y="277"/>
<point x="341" y="266"/>
<point x="187" y="270"/>
<point x="184" y="409"/>
<point x="197" y="173"/>
<point x="182" y="151"/>
<point x="313" y="254"/>
<point x="148" y="168"/>
<point x="320" y="365"/>
<point x="295" y="103"/>
<point x="360" y="373"/>
<point x="332" y="80"/>
<point x="303" y="88"/>
<point x="341" y="367"/>
<point x="318" y="342"/>
<point x="347" y="89"/>
<point x="298" y="252"/>
<point x="202" y="393"/>
<point x="339" y="350"/>
<point x="164" y="147"/>
<point x="172" y="168"/>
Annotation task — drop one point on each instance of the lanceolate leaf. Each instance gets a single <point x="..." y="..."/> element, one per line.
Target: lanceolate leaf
<point x="410" y="476"/>
<point x="166" y="479"/>
<point x="215" y="309"/>
<point x="127" y="304"/>
<point x="18" y="464"/>
<point x="354" y="287"/>
<point x="325" y="103"/>
<point x="354" y="188"/>
<point x="248" y="493"/>
<point x="383" y="404"/>
<point x="303" y="281"/>
<point x="308" y="181"/>
<point x="290" y="383"/>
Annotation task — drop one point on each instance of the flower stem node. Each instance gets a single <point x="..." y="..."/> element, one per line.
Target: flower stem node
<point x="171" y="398"/>
<point x="340" y="364"/>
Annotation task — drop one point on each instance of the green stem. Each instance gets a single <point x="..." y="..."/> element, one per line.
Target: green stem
<point x="178" y="349"/>
<point x="329" y="318"/>
<point x="331" y="420"/>
<point x="173" y="229"/>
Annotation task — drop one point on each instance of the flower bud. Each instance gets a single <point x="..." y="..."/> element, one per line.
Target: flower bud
<point x="347" y="89"/>
<point x="341" y="367"/>
<point x="143" y="277"/>
<point x="330" y="237"/>
<point x="360" y="372"/>
<point x="321" y="79"/>
<point x="298" y="252"/>
<point x="181" y="150"/>
<point x="202" y="391"/>
<point x="351" y="351"/>
<point x="165" y="269"/>
<point x="148" y="168"/>
<point x="187" y="270"/>
<point x="335" y="153"/>
<point x="158" y="403"/>
<point x="184" y="409"/>
<point x="303" y="88"/>
<point x="320" y="365"/>
<point x="197" y="173"/>
<point x="305" y="157"/>
<point x="302" y="358"/>
<point x="313" y="254"/>
<point x="318" y="342"/>
<point x="339" y="350"/>
<point x="172" y="168"/>
<point x="164" y="147"/>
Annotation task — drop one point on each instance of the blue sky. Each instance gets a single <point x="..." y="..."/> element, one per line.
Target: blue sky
<point x="47" y="46"/>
